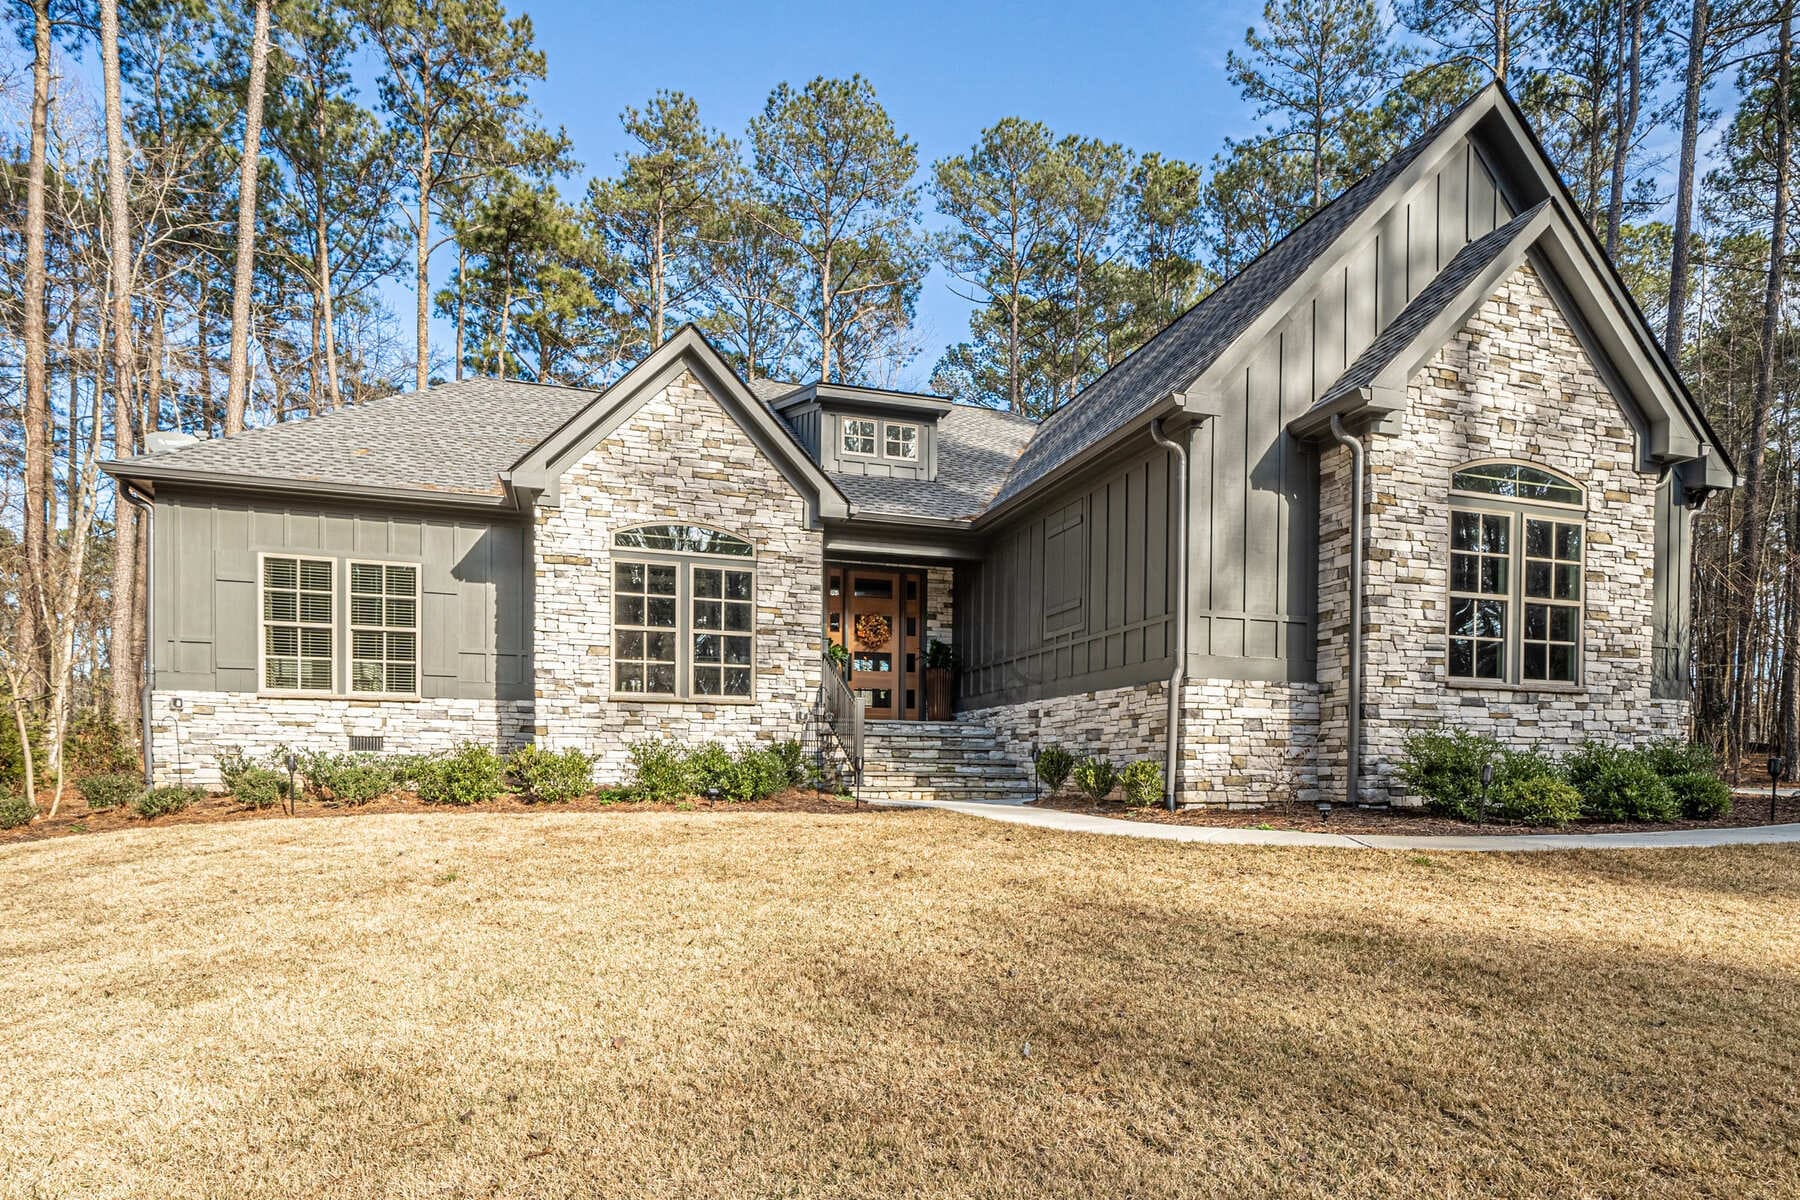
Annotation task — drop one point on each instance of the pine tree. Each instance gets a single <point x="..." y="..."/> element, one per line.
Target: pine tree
<point x="837" y="182"/>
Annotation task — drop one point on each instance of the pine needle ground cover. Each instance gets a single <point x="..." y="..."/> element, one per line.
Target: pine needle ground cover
<point x="913" y="1003"/>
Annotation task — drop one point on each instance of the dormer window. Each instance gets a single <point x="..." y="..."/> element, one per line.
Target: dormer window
<point x="859" y="436"/>
<point x="902" y="441"/>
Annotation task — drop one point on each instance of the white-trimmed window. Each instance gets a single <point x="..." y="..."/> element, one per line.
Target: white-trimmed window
<point x="298" y="610"/>
<point x="1516" y="566"/>
<point x="859" y="436"/>
<point x="384" y="628"/>
<point x="684" y="613"/>
<point x="901" y="440"/>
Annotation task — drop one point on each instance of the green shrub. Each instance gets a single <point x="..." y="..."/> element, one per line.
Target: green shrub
<point x="406" y="769"/>
<point x="347" y="778"/>
<point x="659" y="770"/>
<point x="16" y="811"/>
<point x="232" y="765"/>
<point x="1053" y="766"/>
<point x="470" y="774"/>
<point x="794" y="765"/>
<point x="1142" y="783"/>
<point x="1702" y="795"/>
<point x="260" y="787"/>
<point x="706" y="767"/>
<point x="1673" y="756"/>
<point x="1444" y="766"/>
<point x="110" y="790"/>
<point x="551" y="776"/>
<point x="1096" y="776"/>
<point x="754" y="775"/>
<point x="1536" y="800"/>
<point x="1618" y="783"/>
<point x="170" y="798"/>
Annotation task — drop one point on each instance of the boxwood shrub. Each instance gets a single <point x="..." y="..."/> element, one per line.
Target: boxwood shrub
<point x="260" y="787"/>
<point x="170" y="798"/>
<point x="1701" y="794"/>
<point x="1141" y="783"/>
<point x="1096" y="776"/>
<point x="470" y="774"/>
<point x="1536" y="800"/>
<point x="16" y="811"/>
<point x="110" y="789"/>
<point x="658" y="770"/>
<point x="551" y="776"/>
<point x="1618" y="783"/>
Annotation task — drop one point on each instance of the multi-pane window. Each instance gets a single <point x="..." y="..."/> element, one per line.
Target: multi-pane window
<point x="1515" y="575"/>
<point x="1480" y="585"/>
<point x="859" y="435"/>
<point x="1552" y="600"/>
<point x="901" y="441"/>
<point x="298" y="603"/>
<point x="724" y="617"/>
<point x="384" y="628"/>
<point x="684" y="613"/>
<point x="646" y="632"/>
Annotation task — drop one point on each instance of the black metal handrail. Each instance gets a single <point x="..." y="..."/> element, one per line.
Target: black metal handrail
<point x="842" y="712"/>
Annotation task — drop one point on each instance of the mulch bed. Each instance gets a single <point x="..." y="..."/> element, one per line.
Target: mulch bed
<point x="75" y="817"/>
<point x="1748" y="809"/>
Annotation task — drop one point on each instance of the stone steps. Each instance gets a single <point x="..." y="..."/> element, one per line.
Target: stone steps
<point x="939" y="760"/>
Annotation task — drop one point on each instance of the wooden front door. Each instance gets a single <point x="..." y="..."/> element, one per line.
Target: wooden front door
<point x="875" y="613"/>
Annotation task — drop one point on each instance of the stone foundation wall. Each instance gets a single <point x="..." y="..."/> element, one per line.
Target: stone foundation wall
<point x="1245" y="743"/>
<point x="186" y="745"/>
<point x="1515" y="383"/>
<point x="681" y="458"/>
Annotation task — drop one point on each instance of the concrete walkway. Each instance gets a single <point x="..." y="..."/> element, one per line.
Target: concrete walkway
<point x="1051" y="818"/>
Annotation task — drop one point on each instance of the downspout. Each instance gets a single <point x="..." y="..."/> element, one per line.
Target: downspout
<point x="1353" y="739"/>
<point x="1177" y="677"/>
<point x="143" y="504"/>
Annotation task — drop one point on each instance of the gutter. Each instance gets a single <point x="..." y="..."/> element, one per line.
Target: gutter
<point x="1177" y="677"/>
<point x="123" y="469"/>
<point x="138" y="500"/>
<point x="1353" y="737"/>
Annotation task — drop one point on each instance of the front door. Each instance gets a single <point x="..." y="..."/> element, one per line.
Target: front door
<point x="874" y="613"/>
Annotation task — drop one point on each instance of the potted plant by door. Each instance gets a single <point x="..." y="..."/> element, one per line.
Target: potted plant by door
<point x="940" y="680"/>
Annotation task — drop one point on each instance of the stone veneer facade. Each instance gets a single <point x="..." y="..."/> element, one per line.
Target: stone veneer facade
<point x="188" y="743"/>
<point x="1514" y="383"/>
<point x="679" y="458"/>
<point x="1243" y="742"/>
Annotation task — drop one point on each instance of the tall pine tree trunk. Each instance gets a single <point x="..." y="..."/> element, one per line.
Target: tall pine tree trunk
<point x="1749" y="566"/>
<point x="119" y="279"/>
<point x="244" y="277"/>
<point x="422" y="265"/>
<point x="1680" y="256"/>
<point x="29" y="648"/>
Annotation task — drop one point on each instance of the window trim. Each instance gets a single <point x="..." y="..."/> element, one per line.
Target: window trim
<point x="1559" y="505"/>
<point x="418" y="629"/>
<point x="918" y="440"/>
<point x="875" y="435"/>
<point x="263" y="623"/>
<point x="684" y="562"/>
<point x="1518" y="512"/>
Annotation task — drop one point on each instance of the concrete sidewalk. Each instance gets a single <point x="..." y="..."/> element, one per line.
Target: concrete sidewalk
<point x="1050" y="818"/>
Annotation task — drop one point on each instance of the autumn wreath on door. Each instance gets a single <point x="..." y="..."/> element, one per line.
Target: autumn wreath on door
<point x="872" y="631"/>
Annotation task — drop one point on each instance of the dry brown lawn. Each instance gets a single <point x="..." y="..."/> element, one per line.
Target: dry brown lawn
<point x="892" y="1004"/>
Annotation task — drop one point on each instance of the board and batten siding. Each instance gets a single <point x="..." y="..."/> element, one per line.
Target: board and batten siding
<point x="1253" y="528"/>
<point x="474" y="621"/>
<point x="1076" y="594"/>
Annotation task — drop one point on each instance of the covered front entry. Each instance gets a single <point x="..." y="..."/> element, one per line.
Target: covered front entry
<point x="878" y="615"/>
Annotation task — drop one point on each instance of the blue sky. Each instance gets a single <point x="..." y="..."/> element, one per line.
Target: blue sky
<point x="1147" y="75"/>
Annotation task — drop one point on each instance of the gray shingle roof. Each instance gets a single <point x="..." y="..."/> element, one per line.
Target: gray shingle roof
<point x="975" y="448"/>
<point x="1188" y="345"/>
<point x="1469" y="262"/>
<point x="454" y="438"/>
<point x="771" y="390"/>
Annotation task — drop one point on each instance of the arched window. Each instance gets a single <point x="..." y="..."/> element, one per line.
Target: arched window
<point x="1516" y="566"/>
<point x="684" y="614"/>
